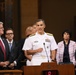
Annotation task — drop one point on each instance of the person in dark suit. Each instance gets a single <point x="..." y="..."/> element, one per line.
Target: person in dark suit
<point x="9" y="34"/>
<point x="4" y="49"/>
<point x="19" y="57"/>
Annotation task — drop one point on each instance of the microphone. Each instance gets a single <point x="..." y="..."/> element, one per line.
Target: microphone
<point x="46" y="52"/>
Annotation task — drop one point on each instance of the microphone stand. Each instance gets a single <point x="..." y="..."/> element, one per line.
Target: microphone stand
<point x="46" y="52"/>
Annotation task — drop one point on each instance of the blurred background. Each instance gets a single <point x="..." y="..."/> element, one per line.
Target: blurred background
<point x="57" y="14"/>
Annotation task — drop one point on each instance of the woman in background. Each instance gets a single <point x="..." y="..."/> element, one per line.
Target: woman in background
<point x="66" y="49"/>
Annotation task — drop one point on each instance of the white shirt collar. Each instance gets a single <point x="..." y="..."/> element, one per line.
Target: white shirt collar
<point x="9" y="41"/>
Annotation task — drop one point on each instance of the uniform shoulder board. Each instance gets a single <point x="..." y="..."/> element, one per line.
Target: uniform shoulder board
<point x="49" y="34"/>
<point x="32" y="35"/>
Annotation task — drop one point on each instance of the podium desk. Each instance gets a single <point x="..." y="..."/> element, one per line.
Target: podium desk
<point x="63" y="69"/>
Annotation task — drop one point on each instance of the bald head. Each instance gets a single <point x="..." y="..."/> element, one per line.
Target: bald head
<point x="28" y="30"/>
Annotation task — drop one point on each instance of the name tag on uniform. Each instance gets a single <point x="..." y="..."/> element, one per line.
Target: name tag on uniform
<point x="35" y="41"/>
<point x="47" y="40"/>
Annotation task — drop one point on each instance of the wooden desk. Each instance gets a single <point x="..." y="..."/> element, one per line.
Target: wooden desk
<point x="11" y="72"/>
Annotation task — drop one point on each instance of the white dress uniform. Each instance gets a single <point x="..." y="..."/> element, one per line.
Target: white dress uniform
<point x="45" y="41"/>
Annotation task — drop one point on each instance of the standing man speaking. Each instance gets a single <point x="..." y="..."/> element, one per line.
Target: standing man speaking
<point x="41" y="45"/>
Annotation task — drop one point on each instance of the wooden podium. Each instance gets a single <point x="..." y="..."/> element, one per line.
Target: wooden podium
<point x="63" y="69"/>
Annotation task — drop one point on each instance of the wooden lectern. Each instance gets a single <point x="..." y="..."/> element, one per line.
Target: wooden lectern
<point x="62" y="69"/>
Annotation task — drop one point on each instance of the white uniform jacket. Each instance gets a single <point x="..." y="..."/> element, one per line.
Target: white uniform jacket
<point x="45" y="41"/>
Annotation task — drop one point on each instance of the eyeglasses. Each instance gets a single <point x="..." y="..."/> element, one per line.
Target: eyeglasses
<point x="9" y="33"/>
<point x="40" y="24"/>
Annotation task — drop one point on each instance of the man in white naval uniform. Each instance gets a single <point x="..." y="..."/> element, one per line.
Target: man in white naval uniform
<point x="42" y="46"/>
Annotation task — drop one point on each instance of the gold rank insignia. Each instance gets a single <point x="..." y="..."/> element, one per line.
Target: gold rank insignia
<point x="32" y="35"/>
<point x="47" y="40"/>
<point x="49" y="34"/>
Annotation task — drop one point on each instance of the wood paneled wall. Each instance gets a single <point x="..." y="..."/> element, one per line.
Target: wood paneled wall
<point x="29" y="13"/>
<point x="58" y="16"/>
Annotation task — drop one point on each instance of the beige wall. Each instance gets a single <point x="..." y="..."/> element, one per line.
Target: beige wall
<point x="29" y="13"/>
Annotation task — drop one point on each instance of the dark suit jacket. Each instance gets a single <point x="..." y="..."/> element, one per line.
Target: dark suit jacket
<point x="20" y="52"/>
<point x="14" y="44"/>
<point x="17" y="54"/>
<point x="13" y="52"/>
<point x="7" y="51"/>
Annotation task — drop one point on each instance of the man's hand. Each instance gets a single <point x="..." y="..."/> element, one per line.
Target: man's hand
<point x="40" y="50"/>
<point x="31" y="52"/>
<point x="4" y="64"/>
<point x="11" y="65"/>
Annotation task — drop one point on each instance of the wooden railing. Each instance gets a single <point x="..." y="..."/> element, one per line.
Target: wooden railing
<point x="11" y="72"/>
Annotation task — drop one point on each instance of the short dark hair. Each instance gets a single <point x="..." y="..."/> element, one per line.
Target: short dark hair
<point x="9" y="29"/>
<point x="67" y="31"/>
<point x="38" y="20"/>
